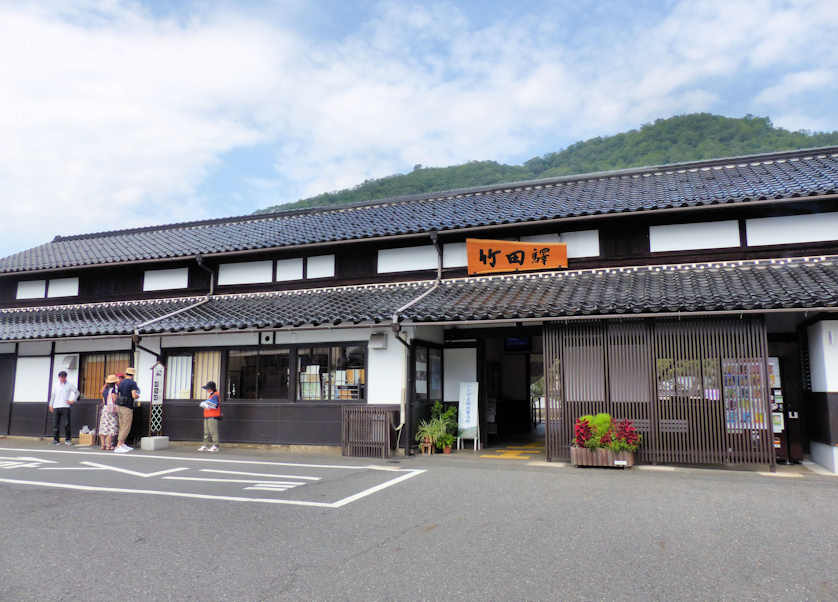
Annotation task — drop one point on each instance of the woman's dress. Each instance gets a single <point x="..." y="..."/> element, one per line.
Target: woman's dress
<point x="108" y="422"/>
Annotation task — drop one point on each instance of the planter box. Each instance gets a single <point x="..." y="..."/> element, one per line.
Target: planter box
<point x="582" y="456"/>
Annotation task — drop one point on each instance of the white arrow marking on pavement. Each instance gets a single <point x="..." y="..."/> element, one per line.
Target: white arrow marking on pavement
<point x="134" y="472"/>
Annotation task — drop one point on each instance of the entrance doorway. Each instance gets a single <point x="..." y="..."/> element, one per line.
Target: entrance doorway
<point x="7" y="381"/>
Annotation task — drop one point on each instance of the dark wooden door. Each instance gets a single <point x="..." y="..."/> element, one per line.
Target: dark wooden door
<point x="7" y="383"/>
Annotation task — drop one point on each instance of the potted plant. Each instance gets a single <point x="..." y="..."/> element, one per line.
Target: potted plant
<point x="445" y="442"/>
<point x="599" y="441"/>
<point x="427" y="433"/>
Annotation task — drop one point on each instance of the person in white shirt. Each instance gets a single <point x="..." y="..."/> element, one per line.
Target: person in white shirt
<point x="64" y="395"/>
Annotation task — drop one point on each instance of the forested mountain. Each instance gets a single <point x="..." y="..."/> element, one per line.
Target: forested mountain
<point x="681" y="138"/>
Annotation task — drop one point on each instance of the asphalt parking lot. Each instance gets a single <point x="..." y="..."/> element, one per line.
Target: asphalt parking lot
<point x="459" y="527"/>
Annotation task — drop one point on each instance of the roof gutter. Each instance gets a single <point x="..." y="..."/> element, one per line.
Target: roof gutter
<point x="201" y="265"/>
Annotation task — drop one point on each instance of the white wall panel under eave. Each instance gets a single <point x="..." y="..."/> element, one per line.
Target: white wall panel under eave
<point x="249" y="272"/>
<point x="162" y="280"/>
<point x="454" y="255"/>
<point x="460" y="366"/>
<point x="320" y="266"/>
<point x="386" y="376"/>
<point x="823" y="356"/>
<point x="63" y="287"/>
<point x="210" y="340"/>
<point x="121" y="344"/>
<point x="582" y="243"/>
<point x="31" y="289"/>
<point x="791" y="229"/>
<point x="34" y="348"/>
<point x="408" y="259"/>
<point x="32" y="379"/>
<point x="685" y="237"/>
<point x="289" y="269"/>
<point x="552" y="238"/>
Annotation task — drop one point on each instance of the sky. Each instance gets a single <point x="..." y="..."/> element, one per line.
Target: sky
<point x="121" y="114"/>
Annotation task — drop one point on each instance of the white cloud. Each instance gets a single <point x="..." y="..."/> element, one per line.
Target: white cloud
<point x="111" y="117"/>
<point x="801" y="82"/>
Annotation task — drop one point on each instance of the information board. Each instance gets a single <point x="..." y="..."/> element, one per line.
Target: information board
<point x="467" y="413"/>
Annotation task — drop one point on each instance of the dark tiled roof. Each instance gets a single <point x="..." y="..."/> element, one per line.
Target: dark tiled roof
<point x="779" y="175"/>
<point x="708" y="287"/>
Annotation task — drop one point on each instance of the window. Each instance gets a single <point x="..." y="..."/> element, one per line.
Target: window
<point x="63" y="287"/>
<point x="179" y="377"/>
<point x="333" y="372"/>
<point x="428" y="375"/>
<point x="95" y="367"/>
<point x="258" y="374"/>
<point x="289" y="269"/>
<point x="187" y="373"/>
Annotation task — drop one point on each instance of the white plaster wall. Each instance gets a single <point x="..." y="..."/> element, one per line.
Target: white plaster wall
<point x="120" y="344"/>
<point x="684" y="237"/>
<point x="31" y="289"/>
<point x="7" y="347"/>
<point x="320" y="266"/>
<point x="550" y="238"/>
<point x="32" y="379"/>
<point x="210" y="340"/>
<point x="792" y="229"/>
<point x="249" y="272"/>
<point x="289" y="269"/>
<point x="161" y="280"/>
<point x="583" y="243"/>
<point x="336" y="335"/>
<point x="459" y="366"/>
<point x="823" y="355"/>
<point x="143" y="362"/>
<point x="386" y="374"/>
<point x="453" y="255"/>
<point x="825" y="455"/>
<point x="62" y="361"/>
<point x="34" y="348"/>
<point x="63" y="287"/>
<point x="406" y="259"/>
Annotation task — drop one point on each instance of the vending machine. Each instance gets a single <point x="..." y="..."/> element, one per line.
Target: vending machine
<point x="785" y="420"/>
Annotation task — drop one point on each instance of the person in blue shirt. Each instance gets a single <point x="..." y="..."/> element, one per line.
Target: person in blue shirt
<point x="126" y="392"/>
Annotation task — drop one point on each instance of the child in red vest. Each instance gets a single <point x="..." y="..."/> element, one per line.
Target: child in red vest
<point x="212" y="414"/>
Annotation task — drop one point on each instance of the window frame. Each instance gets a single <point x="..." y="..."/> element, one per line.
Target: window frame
<point x="81" y="372"/>
<point x="292" y="369"/>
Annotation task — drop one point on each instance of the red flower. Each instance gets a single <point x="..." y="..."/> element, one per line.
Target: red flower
<point x="582" y="431"/>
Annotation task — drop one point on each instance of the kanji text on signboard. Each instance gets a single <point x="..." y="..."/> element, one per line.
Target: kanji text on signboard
<point x="488" y="256"/>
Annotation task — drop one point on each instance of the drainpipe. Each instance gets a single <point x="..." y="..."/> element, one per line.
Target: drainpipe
<point x="397" y="329"/>
<point x="201" y="265"/>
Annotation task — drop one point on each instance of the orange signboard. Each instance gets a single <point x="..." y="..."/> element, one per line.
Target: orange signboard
<point x="491" y="256"/>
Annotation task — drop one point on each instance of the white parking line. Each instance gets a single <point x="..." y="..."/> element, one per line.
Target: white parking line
<point x="209" y="480"/>
<point x="190" y="459"/>
<point x="261" y="474"/>
<point x="339" y="504"/>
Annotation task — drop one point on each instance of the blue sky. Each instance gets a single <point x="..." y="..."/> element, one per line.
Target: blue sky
<point x="115" y="114"/>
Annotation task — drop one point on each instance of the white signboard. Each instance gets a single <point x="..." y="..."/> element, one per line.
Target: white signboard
<point x="467" y="413"/>
<point x="157" y="374"/>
